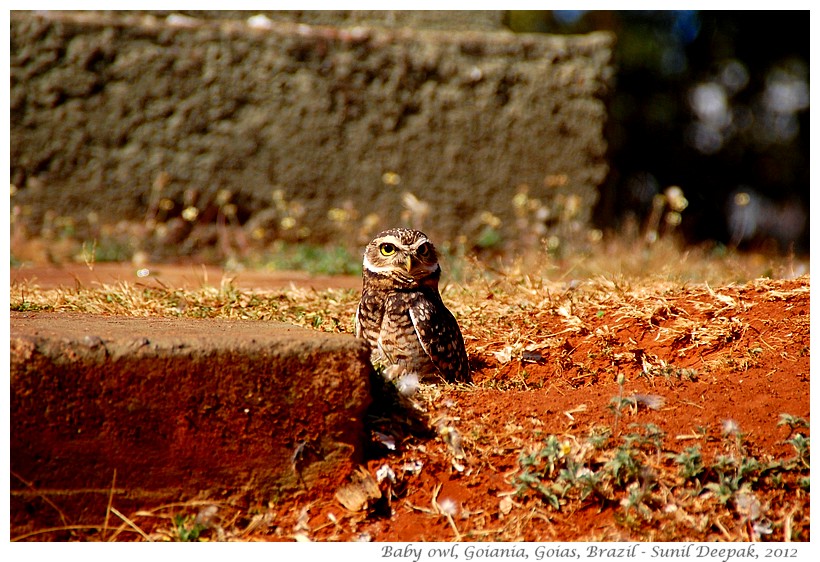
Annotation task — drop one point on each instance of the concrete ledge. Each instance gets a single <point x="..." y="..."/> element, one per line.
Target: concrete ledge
<point x="179" y="409"/>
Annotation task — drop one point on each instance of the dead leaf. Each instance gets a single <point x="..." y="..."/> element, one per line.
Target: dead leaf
<point x="504" y="356"/>
<point x="505" y="505"/>
<point x="362" y="490"/>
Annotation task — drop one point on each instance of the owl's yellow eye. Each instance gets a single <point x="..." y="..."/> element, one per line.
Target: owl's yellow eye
<point x="424" y="250"/>
<point x="387" y="249"/>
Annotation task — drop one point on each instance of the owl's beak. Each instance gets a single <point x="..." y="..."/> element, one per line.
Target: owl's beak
<point x="408" y="263"/>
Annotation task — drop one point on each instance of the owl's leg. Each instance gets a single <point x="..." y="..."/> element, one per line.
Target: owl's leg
<point x="393" y="363"/>
<point x="382" y="354"/>
<point x="382" y="360"/>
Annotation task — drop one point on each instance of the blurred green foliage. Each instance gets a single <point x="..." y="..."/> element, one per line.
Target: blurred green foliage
<point x="715" y="102"/>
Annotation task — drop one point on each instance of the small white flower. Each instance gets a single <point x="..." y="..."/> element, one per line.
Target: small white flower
<point x="651" y="401"/>
<point x="448" y="507"/>
<point x="748" y="506"/>
<point x="730" y="427"/>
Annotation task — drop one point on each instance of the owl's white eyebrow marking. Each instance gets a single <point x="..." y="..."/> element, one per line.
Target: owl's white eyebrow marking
<point x="390" y="239"/>
<point x="419" y="242"/>
<point x="375" y="269"/>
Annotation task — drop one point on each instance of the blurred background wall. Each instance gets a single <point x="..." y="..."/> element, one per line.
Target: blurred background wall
<point x="178" y="133"/>
<point x="496" y="131"/>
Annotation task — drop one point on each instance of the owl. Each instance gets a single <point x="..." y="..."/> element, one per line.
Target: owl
<point x="401" y="314"/>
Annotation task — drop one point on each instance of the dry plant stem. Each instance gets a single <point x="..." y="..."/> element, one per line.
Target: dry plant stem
<point x="458" y="536"/>
<point x="131" y="524"/>
<point x="787" y="526"/>
<point x="54" y="530"/>
<point x="110" y="501"/>
<point x="44" y="498"/>
<point x="448" y="516"/>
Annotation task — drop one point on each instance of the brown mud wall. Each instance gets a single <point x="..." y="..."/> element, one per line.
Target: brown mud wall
<point x="308" y="129"/>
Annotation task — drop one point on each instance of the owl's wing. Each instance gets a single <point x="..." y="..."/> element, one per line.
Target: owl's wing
<point x="440" y="337"/>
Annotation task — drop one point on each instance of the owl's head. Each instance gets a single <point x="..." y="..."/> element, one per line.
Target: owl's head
<point x="405" y="256"/>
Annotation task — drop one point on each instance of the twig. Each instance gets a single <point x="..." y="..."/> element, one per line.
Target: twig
<point x="110" y="501"/>
<point x="723" y="529"/>
<point x="689" y="403"/>
<point x="53" y="530"/>
<point x="44" y="497"/>
<point x="434" y="498"/>
<point x="787" y="526"/>
<point x="131" y="524"/>
<point x="453" y="525"/>
<point x="686" y="437"/>
<point x="449" y="516"/>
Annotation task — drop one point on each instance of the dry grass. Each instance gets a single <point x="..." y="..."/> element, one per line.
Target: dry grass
<point x="514" y="293"/>
<point x="502" y="311"/>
